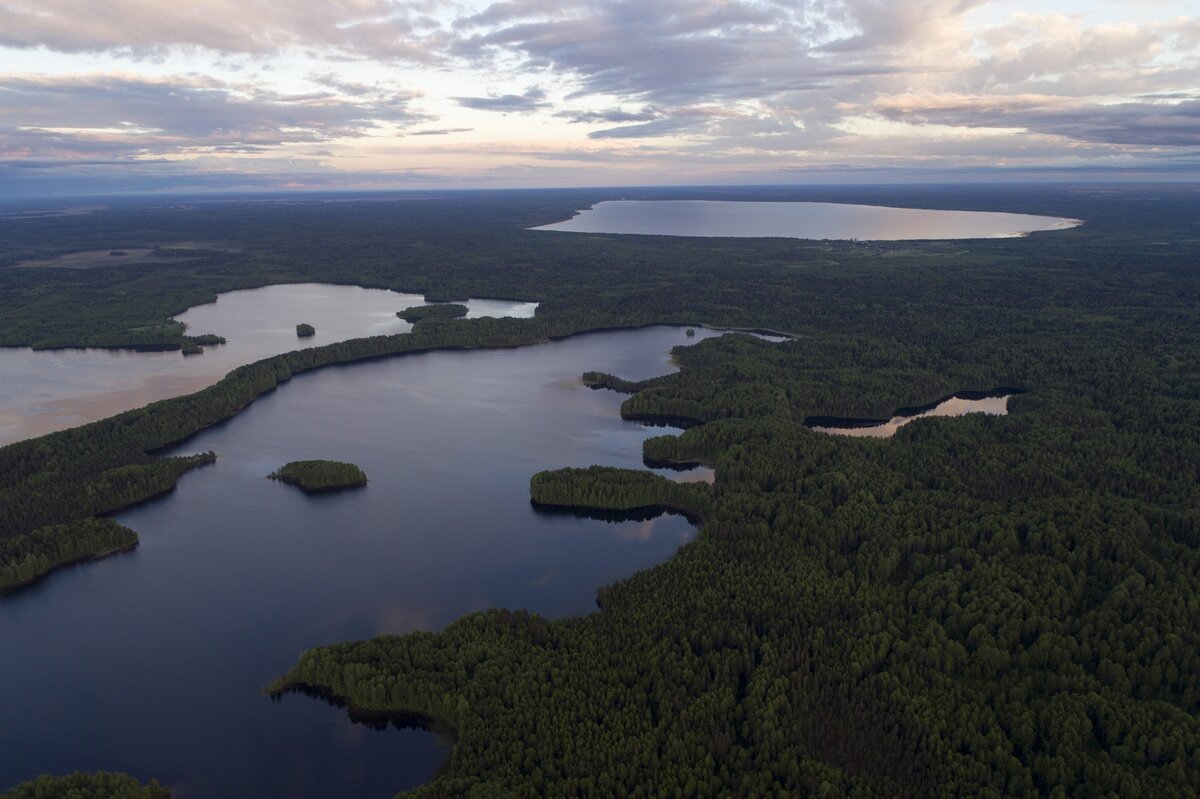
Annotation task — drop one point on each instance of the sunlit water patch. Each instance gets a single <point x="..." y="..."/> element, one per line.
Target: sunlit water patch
<point x="992" y="403"/>
<point x="802" y="220"/>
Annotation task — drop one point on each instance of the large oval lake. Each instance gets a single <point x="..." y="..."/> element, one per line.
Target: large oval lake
<point x="47" y="390"/>
<point x="799" y="220"/>
<point x="153" y="662"/>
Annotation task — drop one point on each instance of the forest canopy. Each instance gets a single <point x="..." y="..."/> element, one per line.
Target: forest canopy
<point x="979" y="606"/>
<point x="319" y="476"/>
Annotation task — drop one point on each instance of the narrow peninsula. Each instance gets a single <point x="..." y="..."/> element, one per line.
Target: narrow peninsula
<point x="314" y="477"/>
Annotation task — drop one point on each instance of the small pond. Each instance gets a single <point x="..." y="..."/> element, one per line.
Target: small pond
<point x="992" y="403"/>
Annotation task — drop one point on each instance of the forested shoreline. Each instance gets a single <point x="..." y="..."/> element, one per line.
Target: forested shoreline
<point x="992" y="606"/>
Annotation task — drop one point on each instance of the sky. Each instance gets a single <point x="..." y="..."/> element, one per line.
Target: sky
<point x="238" y="95"/>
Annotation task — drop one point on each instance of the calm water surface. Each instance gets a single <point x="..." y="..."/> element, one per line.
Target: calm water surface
<point x="44" y="391"/>
<point x="799" y="221"/>
<point x="153" y="662"/>
<point x="953" y="406"/>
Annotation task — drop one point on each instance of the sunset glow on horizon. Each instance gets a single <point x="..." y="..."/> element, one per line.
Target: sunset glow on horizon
<point x="131" y="95"/>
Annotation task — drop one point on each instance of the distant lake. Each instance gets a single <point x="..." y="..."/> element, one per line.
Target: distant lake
<point x="153" y="662"/>
<point x="800" y="221"/>
<point x="46" y="390"/>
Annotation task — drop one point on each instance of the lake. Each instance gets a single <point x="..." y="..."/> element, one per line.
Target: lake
<point x="802" y="220"/>
<point x="991" y="403"/>
<point x="47" y="390"/>
<point x="153" y="662"/>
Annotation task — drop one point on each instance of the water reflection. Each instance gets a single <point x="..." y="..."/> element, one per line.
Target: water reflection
<point x="48" y="390"/>
<point x="153" y="662"/>
<point x="958" y="405"/>
<point x="800" y="220"/>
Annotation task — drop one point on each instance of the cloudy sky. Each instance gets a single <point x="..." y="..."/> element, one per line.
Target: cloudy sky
<point x="364" y="94"/>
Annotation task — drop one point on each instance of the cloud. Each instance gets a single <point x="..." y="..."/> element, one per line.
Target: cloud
<point x="703" y="84"/>
<point x="609" y="115"/>
<point x="1148" y="124"/>
<point x="531" y="100"/>
<point x="658" y="127"/>
<point x="438" y="131"/>
<point x="117" y="114"/>
<point x="378" y="28"/>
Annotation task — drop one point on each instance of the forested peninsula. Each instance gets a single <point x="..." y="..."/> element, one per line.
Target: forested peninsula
<point x="983" y="606"/>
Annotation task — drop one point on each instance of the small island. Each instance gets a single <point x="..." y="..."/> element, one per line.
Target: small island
<point x="447" y="310"/>
<point x="304" y="330"/>
<point x="318" y="476"/>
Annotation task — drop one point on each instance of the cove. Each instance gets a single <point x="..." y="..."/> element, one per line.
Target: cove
<point x="799" y="220"/>
<point x="47" y="390"/>
<point x="154" y="662"/>
<point x="994" y="403"/>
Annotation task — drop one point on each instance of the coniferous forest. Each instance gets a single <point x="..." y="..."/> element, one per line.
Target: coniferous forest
<point x="979" y="606"/>
<point x="320" y="475"/>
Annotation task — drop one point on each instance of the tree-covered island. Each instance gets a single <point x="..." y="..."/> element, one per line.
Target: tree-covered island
<point x="318" y="476"/>
<point x="449" y="310"/>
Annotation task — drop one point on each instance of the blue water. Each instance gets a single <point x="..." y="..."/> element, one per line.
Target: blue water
<point x="153" y="662"/>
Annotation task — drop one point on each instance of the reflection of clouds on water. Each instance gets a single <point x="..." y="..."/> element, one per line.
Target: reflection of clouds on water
<point x="400" y="619"/>
<point x="955" y="406"/>
<point x="800" y="220"/>
<point x="545" y="579"/>
<point x="700" y="474"/>
<point x="641" y="531"/>
<point x="49" y="390"/>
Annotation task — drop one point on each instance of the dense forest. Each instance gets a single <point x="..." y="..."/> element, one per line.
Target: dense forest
<point x="319" y="476"/>
<point x="449" y="310"/>
<point x="986" y="606"/>
<point x="606" y="488"/>
<point x="103" y="785"/>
